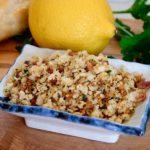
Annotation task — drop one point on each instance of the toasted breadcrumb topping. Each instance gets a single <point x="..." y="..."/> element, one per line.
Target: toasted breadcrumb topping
<point x="78" y="83"/>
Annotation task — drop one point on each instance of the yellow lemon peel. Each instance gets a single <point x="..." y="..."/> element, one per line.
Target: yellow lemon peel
<point x="72" y="24"/>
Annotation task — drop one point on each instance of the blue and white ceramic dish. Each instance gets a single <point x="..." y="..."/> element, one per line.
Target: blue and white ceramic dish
<point x="80" y="126"/>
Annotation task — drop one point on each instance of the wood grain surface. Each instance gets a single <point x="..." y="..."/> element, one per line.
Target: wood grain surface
<point x="14" y="135"/>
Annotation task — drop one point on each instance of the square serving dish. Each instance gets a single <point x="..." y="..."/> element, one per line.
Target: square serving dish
<point x="80" y="126"/>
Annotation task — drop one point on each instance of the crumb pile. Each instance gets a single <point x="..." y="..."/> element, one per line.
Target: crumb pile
<point x="77" y="83"/>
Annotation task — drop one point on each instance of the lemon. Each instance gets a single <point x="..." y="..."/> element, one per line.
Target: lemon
<point x="71" y="24"/>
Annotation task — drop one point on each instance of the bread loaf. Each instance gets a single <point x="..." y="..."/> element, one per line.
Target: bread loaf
<point x="13" y="17"/>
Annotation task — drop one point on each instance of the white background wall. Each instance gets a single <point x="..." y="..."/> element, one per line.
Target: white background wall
<point x="121" y="5"/>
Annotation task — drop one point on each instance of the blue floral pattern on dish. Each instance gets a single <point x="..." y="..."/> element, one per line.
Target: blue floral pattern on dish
<point x="41" y="111"/>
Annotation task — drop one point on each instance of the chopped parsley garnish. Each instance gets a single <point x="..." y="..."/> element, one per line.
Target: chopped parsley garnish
<point x="84" y="97"/>
<point x="109" y="71"/>
<point x="26" y="71"/>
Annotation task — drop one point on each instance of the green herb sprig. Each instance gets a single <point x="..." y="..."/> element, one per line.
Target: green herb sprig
<point x="135" y="47"/>
<point x="23" y="38"/>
